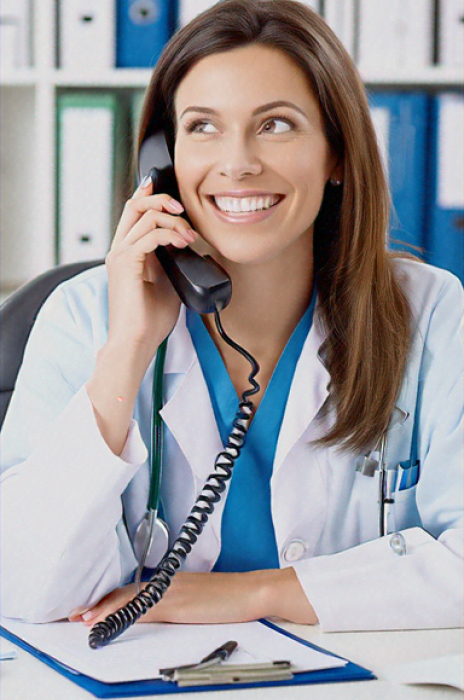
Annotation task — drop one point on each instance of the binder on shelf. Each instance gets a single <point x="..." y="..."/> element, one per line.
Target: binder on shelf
<point x="137" y="99"/>
<point x="445" y="215"/>
<point x="401" y="122"/>
<point x="15" y="34"/>
<point x="395" y="35"/>
<point x="451" y="33"/>
<point x="87" y="34"/>
<point x="189" y="9"/>
<point x="92" y="173"/>
<point x="143" y="27"/>
<point x="341" y="17"/>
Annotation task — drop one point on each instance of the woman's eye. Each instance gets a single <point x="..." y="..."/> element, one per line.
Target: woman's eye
<point x="276" y="120"/>
<point x="194" y="127"/>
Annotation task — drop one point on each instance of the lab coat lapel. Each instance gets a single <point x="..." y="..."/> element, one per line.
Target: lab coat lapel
<point x="308" y="393"/>
<point x="188" y="413"/>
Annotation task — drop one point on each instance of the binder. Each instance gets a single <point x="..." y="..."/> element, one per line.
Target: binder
<point x="395" y="35"/>
<point x="189" y="9"/>
<point x="341" y="17"/>
<point x="445" y="211"/>
<point x="347" y="672"/>
<point x="143" y="27"/>
<point x="92" y="174"/>
<point x="137" y="99"/>
<point x="87" y="34"/>
<point x="15" y="34"/>
<point x="401" y="121"/>
<point x="451" y="33"/>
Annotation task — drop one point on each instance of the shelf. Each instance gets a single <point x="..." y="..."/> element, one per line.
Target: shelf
<point x="436" y="77"/>
<point x="20" y="77"/>
<point x="439" y="77"/>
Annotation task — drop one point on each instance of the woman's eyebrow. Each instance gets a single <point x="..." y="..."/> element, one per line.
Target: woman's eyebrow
<point x="258" y="110"/>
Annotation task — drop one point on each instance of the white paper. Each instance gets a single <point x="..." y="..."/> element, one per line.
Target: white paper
<point x="443" y="670"/>
<point x="143" y="649"/>
<point x="450" y="165"/>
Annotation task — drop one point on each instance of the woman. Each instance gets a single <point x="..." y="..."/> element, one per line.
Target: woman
<point x="262" y="108"/>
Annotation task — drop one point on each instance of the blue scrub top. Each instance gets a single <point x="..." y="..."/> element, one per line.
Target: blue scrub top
<point x="247" y="531"/>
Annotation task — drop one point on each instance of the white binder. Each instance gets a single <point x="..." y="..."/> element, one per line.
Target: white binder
<point x="92" y="166"/>
<point x="188" y="9"/>
<point x="87" y="34"/>
<point x="341" y="17"/>
<point x="15" y="34"/>
<point x="395" y="35"/>
<point x="451" y="33"/>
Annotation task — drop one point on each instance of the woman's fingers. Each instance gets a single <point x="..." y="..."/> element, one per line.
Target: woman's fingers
<point x="153" y="219"/>
<point x="141" y="202"/>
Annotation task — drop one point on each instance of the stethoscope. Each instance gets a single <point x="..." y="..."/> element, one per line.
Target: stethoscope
<point x="369" y="465"/>
<point x="152" y="536"/>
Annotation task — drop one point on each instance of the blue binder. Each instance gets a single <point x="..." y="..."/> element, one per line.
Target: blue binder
<point x="143" y="27"/>
<point x="407" y="166"/>
<point x="349" y="672"/>
<point x="445" y="219"/>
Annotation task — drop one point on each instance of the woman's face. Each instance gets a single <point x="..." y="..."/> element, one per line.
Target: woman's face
<point x="235" y="150"/>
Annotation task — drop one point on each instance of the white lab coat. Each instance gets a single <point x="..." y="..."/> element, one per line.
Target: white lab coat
<point x="70" y="507"/>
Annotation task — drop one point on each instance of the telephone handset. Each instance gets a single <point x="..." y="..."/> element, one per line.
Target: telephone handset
<point x="201" y="283"/>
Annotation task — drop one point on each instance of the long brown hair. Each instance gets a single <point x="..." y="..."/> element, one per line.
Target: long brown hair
<point x="364" y="311"/>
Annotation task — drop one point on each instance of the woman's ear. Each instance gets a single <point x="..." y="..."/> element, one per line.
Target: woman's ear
<point x="336" y="176"/>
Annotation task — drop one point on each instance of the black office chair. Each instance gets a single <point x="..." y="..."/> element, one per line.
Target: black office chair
<point x="17" y="316"/>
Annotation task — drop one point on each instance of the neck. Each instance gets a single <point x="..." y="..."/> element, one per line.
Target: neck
<point x="268" y="300"/>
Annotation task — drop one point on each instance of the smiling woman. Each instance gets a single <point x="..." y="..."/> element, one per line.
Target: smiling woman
<point x="279" y="174"/>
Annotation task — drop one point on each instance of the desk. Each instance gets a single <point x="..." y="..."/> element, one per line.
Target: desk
<point x="27" y="677"/>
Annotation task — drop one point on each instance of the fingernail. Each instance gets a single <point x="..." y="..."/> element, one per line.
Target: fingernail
<point x="146" y="181"/>
<point x="193" y="233"/>
<point x="176" y="205"/>
<point x="88" y="615"/>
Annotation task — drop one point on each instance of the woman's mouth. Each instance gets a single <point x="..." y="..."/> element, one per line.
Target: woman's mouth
<point x="245" y="209"/>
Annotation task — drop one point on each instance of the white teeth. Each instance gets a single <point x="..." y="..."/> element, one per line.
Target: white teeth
<point x="245" y="204"/>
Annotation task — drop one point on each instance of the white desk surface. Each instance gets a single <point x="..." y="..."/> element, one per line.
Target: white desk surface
<point x="27" y="677"/>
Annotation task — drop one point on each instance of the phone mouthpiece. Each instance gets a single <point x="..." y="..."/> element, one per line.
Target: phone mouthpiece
<point x="200" y="282"/>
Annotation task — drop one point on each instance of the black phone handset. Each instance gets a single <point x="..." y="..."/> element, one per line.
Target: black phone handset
<point x="202" y="284"/>
<point x="204" y="287"/>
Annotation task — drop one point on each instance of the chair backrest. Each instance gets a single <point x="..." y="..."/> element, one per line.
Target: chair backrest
<point x="17" y="316"/>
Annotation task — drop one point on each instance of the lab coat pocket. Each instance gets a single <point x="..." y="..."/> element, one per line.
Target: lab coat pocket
<point x="406" y="512"/>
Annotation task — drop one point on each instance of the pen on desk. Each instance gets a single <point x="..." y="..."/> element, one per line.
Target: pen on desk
<point x="220" y="654"/>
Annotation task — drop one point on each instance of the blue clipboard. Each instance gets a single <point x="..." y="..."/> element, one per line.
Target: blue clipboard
<point x="349" y="672"/>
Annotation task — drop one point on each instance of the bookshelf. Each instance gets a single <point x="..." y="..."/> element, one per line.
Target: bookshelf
<point x="28" y="139"/>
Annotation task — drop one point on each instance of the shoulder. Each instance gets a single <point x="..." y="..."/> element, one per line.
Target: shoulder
<point x="429" y="289"/>
<point x="80" y="303"/>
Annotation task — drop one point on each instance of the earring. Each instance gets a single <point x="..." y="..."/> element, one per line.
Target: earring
<point x="335" y="182"/>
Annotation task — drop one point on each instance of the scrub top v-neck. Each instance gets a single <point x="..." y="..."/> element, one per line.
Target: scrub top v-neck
<point x="247" y="532"/>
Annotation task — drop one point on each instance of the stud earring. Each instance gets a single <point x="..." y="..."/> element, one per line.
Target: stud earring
<point x="335" y="182"/>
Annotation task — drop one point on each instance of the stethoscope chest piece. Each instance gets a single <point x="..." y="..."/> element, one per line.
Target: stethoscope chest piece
<point x="151" y="540"/>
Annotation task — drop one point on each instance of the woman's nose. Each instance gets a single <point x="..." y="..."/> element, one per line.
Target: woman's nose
<point x="239" y="160"/>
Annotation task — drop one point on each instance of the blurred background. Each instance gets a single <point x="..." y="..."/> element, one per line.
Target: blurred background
<point x="72" y="80"/>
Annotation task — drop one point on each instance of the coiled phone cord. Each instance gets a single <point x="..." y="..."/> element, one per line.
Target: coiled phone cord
<point x="115" y="624"/>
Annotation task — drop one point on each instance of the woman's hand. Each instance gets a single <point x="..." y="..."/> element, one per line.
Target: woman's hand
<point x="216" y="598"/>
<point x="143" y="308"/>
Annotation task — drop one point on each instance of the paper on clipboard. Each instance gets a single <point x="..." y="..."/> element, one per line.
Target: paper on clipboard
<point x="145" y="648"/>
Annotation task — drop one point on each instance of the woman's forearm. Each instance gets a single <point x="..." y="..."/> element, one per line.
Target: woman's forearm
<point x="113" y="389"/>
